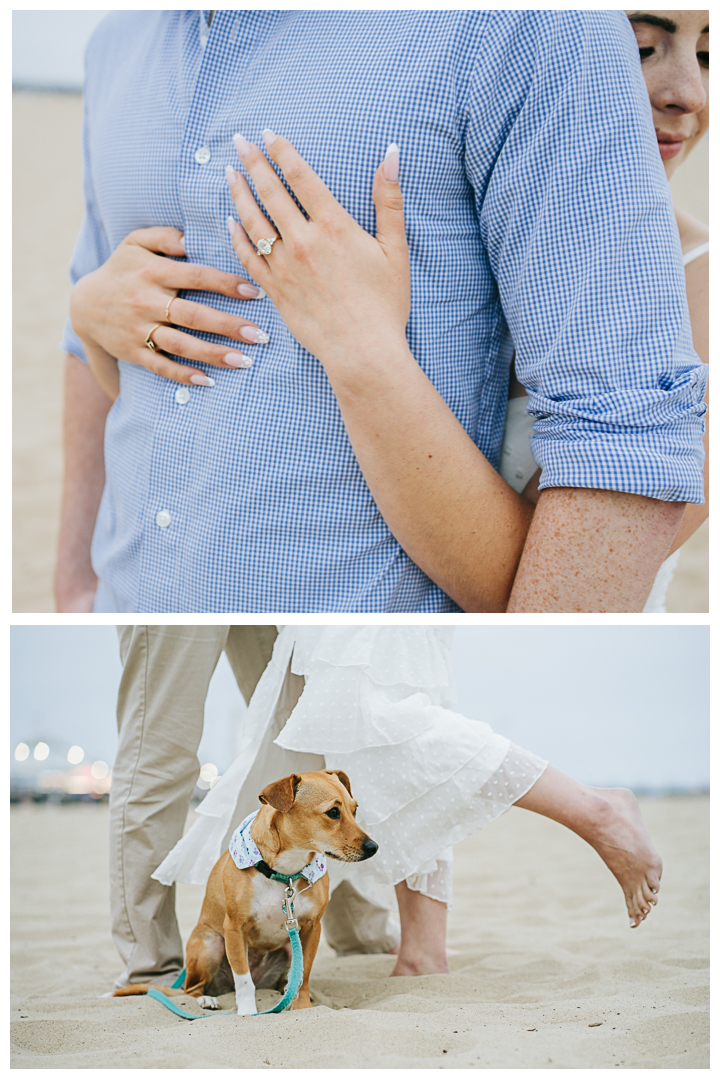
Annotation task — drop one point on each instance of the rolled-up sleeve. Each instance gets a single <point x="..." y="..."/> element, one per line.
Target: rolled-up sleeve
<point x="579" y="228"/>
<point x="92" y="248"/>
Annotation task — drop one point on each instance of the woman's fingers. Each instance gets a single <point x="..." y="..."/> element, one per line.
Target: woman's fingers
<point x="170" y="369"/>
<point x="175" y="275"/>
<point x="255" y="227"/>
<point x="315" y="196"/>
<point x="389" y="211"/>
<point x="268" y="185"/>
<point x="256" y="224"/>
<point x="169" y="340"/>
<point x="192" y="316"/>
<point x="161" y="238"/>
<point x="247" y="252"/>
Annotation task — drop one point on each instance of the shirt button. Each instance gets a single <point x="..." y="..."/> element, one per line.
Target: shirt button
<point x="202" y="155"/>
<point x="182" y="395"/>
<point x="163" y="518"/>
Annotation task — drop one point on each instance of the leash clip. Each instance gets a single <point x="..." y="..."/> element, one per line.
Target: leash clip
<point x="291" y="922"/>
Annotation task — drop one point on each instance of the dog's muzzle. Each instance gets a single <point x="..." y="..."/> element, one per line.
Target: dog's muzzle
<point x="365" y="851"/>
<point x="369" y="847"/>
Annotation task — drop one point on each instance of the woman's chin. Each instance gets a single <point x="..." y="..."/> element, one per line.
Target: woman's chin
<point x="671" y="164"/>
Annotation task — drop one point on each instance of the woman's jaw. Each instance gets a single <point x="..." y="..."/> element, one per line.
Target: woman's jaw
<point x="675" y="56"/>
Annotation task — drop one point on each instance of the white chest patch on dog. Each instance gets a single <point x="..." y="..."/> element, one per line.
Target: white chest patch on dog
<point x="269" y="918"/>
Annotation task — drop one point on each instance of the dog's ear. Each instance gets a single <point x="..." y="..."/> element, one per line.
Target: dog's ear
<point x="342" y="777"/>
<point x="281" y="794"/>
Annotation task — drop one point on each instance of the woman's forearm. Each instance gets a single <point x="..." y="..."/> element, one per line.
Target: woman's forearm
<point x="452" y="512"/>
<point x="345" y="296"/>
<point x="86" y="409"/>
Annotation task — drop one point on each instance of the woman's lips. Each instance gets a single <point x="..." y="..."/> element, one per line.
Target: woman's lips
<point x="670" y="145"/>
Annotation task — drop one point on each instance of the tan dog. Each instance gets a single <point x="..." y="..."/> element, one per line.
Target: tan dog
<point x="242" y="924"/>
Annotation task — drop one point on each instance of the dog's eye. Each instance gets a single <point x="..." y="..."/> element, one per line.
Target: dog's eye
<point x="333" y="812"/>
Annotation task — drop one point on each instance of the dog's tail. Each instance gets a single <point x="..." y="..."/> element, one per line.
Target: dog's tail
<point x="142" y="988"/>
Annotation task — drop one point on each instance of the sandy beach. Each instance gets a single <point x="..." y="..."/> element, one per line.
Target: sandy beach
<point x="47" y="212"/>
<point x="546" y="973"/>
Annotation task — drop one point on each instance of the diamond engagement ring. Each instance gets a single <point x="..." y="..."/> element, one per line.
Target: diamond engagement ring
<point x="264" y="247"/>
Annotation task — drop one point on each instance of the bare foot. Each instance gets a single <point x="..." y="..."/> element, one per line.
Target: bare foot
<point x="423" y="923"/>
<point x="421" y="964"/>
<point x="623" y="843"/>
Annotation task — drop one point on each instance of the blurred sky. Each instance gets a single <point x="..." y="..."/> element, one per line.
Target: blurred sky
<point x="48" y="47"/>
<point x="609" y="705"/>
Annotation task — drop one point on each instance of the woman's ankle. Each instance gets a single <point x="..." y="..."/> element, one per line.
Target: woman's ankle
<point x="413" y="963"/>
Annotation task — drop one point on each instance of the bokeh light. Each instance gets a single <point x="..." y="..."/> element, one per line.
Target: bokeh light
<point x="22" y="751"/>
<point x="208" y="776"/>
<point x="99" y="770"/>
<point x="41" y="751"/>
<point x="75" y="755"/>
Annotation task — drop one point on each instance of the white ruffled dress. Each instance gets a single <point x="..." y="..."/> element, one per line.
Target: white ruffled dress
<point x="376" y="703"/>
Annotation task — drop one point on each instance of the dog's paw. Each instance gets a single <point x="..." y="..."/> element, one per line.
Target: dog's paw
<point x="206" y="1002"/>
<point x="246" y="1008"/>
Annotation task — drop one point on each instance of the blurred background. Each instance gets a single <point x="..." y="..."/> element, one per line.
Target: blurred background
<point x="611" y="705"/>
<point x="48" y="47"/>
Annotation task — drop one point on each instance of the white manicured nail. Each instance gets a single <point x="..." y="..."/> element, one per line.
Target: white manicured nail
<point x="258" y="337"/>
<point x="251" y="292"/>
<point x="269" y="136"/>
<point x="230" y="175"/>
<point x="232" y="226"/>
<point x="241" y="145"/>
<point x="236" y="359"/>
<point x="202" y="380"/>
<point x="391" y="163"/>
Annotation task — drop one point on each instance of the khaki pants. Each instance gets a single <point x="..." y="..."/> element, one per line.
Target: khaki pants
<point x="161" y="701"/>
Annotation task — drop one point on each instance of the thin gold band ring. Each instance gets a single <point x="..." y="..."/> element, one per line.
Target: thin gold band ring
<point x="148" y="340"/>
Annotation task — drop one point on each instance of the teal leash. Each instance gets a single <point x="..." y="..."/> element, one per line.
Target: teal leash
<point x="295" y="975"/>
<point x="176" y="1008"/>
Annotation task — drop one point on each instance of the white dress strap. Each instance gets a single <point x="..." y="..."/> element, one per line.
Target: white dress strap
<point x="695" y="253"/>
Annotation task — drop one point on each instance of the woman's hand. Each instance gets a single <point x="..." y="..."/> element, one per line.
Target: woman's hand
<point x="114" y="309"/>
<point x="345" y="295"/>
<point x="340" y="290"/>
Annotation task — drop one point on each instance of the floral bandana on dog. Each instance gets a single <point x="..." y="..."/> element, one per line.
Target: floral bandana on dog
<point x="245" y="852"/>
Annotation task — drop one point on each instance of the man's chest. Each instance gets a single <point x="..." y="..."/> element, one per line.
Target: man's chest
<point x="340" y="85"/>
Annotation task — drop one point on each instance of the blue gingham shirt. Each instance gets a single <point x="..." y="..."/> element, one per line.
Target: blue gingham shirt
<point x="538" y="215"/>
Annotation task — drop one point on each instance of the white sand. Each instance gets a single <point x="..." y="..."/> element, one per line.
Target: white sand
<point x="46" y="217"/>
<point x="544" y="956"/>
